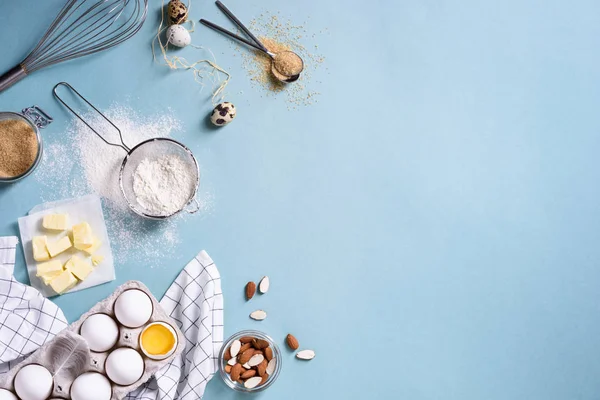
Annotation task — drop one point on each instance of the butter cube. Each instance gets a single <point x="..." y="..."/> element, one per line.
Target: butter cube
<point x="91" y="249"/>
<point x="59" y="246"/>
<point x="63" y="282"/>
<point x="40" y="252"/>
<point x="78" y="267"/>
<point x="82" y="235"/>
<point x="97" y="259"/>
<point x="48" y="278"/>
<point x="49" y="268"/>
<point x="56" y="222"/>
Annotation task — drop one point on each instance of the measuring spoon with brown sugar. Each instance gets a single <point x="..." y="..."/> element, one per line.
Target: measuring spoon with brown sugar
<point x="286" y="66"/>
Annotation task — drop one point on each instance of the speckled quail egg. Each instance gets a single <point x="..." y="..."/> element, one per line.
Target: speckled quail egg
<point x="33" y="382"/>
<point x="178" y="36"/>
<point x="223" y="114"/>
<point x="177" y="12"/>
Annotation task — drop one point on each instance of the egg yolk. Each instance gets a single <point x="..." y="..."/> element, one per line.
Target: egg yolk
<point x="157" y="340"/>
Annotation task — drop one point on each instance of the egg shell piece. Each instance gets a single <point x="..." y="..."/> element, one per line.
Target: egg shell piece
<point x="100" y="331"/>
<point x="133" y="308"/>
<point x="124" y="366"/>
<point x="178" y="36"/>
<point x="7" y="395"/>
<point x="91" y="386"/>
<point x="157" y="337"/>
<point x="42" y="388"/>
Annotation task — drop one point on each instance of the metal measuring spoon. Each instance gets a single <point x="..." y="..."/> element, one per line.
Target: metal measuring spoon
<point x="256" y="44"/>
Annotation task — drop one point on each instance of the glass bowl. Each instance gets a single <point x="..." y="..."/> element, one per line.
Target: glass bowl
<point x="222" y="363"/>
<point x="36" y="118"/>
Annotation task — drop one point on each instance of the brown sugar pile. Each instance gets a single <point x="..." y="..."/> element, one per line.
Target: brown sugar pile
<point x="18" y="147"/>
<point x="279" y="35"/>
<point x="288" y="63"/>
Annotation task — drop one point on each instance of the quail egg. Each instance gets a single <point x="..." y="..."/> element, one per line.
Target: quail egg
<point x="178" y="36"/>
<point x="177" y="12"/>
<point x="223" y="114"/>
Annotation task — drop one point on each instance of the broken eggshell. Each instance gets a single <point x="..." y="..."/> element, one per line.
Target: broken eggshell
<point x="223" y="114"/>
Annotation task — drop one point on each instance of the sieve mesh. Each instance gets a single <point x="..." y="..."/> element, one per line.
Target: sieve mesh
<point x="152" y="149"/>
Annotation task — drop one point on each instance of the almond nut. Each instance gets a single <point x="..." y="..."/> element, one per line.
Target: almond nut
<point x="236" y="371"/>
<point x="246" y="339"/>
<point x="262" y="368"/>
<point x="268" y="353"/>
<point x="245" y="356"/>
<point x="255" y="360"/>
<point x="292" y="342"/>
<point x="228" y="368"/>
<point x="227" y="354"/>
<point x="248" y="374"/>
<point x="232" y="362"/>
<point x="305" y="355"/>
<point x="264" y="284"/>
<point x="253" y="382"/>
<point x="271" y="366"/>
<point x="235" y="348"/>
<point x="260" y="344"/>
<point x="245" y="347"/>
<point x="265" y="378"/>
<point x="250" y="290"/>
<point x="258" y="315"/>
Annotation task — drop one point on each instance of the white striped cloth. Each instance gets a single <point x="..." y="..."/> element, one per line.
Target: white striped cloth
<point x="27" y="319"/>
<point x="194" y="301"/>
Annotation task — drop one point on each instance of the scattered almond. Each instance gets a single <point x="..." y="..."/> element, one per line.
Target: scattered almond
<point x="253" y="382"/>
<point x="271" y="367"/>
<point x="292" y="342"/>
<point x="236" y="371"/>
<point x="305" y="355"/>
<point x="255" y="360"/>
<point x="258" y="315"/>
<point x="250" y="290"/>
<point x="264" y="284"/>
<point x="268" y="353"/>
<point x="235" y="348"/>
<point x="248" y="374"/>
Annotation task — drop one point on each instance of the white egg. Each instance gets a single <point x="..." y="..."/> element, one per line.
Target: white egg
<point x="133" y="308"/>
<point x="178" y="36"/>
<point x="7" y="395"/>
<point x="91" y="386"/>
<point x="124" y="366"/>
<point x="100" y="331"/>
<point x="33" y="382"/>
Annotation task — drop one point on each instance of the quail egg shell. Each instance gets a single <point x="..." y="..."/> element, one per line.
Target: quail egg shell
<point x="91" y="386"/>
<point x="177" y="12"/>
<point x="133" y="308"/>
<point x="7" y="395"/>
<point x="178" y="36"/>
<point x="33" y="382"/>
<point x="223" y="114"/>
<point x="124" y="366"/>
<point x="100" y="331"/>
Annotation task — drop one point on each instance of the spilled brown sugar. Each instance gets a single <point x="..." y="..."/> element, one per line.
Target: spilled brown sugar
<point x="18" y="147"/>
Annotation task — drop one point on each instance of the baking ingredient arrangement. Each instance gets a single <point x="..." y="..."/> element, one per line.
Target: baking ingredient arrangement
<point x="136" y="172"/>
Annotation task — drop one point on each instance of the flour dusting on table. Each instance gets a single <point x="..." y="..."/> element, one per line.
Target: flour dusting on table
<point x="83" y="163"/>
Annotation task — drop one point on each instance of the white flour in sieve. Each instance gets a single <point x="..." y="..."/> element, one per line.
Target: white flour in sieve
<point x="164" y="185"/>
<point x="81" y="163"/>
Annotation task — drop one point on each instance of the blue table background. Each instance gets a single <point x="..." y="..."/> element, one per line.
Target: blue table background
<point x="430" y="226"/>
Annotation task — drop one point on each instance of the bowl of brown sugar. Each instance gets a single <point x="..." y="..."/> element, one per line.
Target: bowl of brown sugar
<point x="21" y="143"/>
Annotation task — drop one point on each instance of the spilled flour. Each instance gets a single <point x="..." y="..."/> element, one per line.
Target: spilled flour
<point x="84" y="164"/>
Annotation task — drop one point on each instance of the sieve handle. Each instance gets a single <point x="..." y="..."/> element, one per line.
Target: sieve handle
<point x="195" y="206"/>
<point x="65" y="84"/>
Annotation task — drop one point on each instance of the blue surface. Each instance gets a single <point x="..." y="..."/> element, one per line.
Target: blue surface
<point x="430" y="226"/>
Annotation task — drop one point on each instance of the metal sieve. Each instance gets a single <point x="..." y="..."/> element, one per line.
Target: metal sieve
<point x="148" y="149"/>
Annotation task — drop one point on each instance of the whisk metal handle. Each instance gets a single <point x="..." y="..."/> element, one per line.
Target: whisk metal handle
<point x="11" y="77"/>
<point x="65" y="84"/>
<point x="231" y="34"/>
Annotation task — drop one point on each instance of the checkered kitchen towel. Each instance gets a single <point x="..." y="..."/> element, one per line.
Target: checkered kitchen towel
<point x="195" y="301"/>
<point x="27" y="319"/>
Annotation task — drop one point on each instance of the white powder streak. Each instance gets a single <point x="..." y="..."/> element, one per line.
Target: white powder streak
<point x="82" y="163"/>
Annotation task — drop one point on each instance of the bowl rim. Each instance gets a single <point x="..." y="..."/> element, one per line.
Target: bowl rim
<point x="276" y="354"/>
<point x="38" y="157"/>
